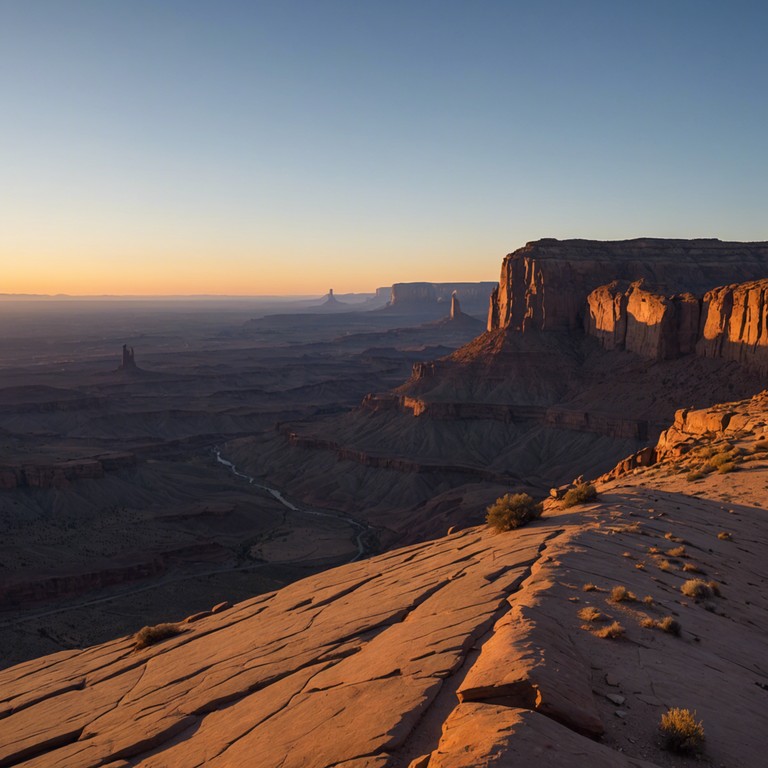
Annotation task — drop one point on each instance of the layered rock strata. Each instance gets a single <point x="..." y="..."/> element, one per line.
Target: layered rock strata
<point x="728" y="322"/>
<point x="545" y="284"/>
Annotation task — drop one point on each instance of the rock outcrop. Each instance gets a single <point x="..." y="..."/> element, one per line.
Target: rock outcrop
<point x="736" y="324"/>
<point x="545" y="284"/>
<point x="128" y="362"/>
<point x="728" y="322"/>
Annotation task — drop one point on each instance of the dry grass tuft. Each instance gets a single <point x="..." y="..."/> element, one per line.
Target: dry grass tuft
<point x="592" y="614"/>
<point x="648" y="600"/>
<point x="147" y="636"/>
<point x="676" y="552"/>
<point x="699" y="589"/>
<point x="670" y="625"/>
<point x="680" y="732"/>
<point x="692" y="568"/>
<point x="611" y="632"/>
<point x="620" y="594"/>
<point x="589" y="587"/>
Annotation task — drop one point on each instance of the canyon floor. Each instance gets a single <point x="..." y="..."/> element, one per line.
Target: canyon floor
<point x="478" y="648"/>
<point x="114" y="511"/>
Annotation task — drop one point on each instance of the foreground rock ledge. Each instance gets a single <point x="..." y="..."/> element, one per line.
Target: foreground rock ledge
<point x="464" y="651"/>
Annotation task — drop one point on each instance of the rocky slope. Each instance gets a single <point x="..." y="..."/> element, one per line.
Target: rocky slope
<point x="465" y="651"/>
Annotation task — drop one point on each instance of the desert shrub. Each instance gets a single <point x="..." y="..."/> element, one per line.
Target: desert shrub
<point x="579" y="494"/>
<point x="611" y="632"/>
<point x="721" y="458"/>
<point x="725" y="536"/>
<point x="591" y="613"/>
<point x="715" y="587"/>
<point x="697" y="589"/>
<point x="147" y="636"/>
<point x="676" y="552"/>
<point x="724" y="469"/>
<point x="664" y="565"/>
<point x="654" y="551"/>
<point x="670" y="625"/>
<point x="513" y="510"/>
<point x="695" y="475"/>
<point x="621" y="594"/>
<point x="589" y="587"/>
<point x="692" y="568"/>
<point x="648" y="600"/>
<point x="648" y="622"/>
<point x="680" y="732"/>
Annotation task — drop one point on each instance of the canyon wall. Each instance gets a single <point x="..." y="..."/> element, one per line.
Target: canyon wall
<point x="474" y="296"/>
<point x="728" y="322"/>
<point x="545" y="284"/>
<point x="61" y="473"/>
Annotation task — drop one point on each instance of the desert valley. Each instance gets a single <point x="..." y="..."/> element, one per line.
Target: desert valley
<point x="253" y="532"/>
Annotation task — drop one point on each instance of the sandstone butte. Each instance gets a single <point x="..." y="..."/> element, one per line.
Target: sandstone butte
<point x="463" y="651"/>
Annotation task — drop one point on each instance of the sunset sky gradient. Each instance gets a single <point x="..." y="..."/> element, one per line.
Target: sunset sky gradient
<point x="188" y="147"/>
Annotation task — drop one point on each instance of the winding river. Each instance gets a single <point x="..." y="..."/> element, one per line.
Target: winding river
<point x="365" y="535"/>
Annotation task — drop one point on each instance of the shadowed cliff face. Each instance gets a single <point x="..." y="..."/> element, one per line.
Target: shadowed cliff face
<point x="545" y="284"/>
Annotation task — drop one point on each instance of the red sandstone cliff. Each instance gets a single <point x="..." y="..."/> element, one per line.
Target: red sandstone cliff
<point x="728" y="322"/>
<point x="545" y="284"/>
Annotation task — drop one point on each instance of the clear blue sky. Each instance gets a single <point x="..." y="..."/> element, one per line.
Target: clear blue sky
<point x="151" y="146"/>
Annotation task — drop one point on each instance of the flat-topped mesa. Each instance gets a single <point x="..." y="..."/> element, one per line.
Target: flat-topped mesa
<point x="414" y="295"/>
<point x="545" y="284"/>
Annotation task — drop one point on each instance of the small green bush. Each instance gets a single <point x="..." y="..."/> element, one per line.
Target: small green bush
<point x="579" y="494"/>
<point x="147" y="636"/>
<point x="513" y="510"/>
<point x="680" y="732"/>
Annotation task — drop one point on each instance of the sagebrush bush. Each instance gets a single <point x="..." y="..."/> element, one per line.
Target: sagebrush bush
<point x="147" y="636"/>
<point x="513" y="510"/>
<point x="680" y="732"/>
<point x="579" y="494"/>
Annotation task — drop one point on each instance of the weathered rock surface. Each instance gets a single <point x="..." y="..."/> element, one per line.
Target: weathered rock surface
<point x="638" y="320"/>
<point x="545" y="284"/>
<point x="465" y="651"/>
